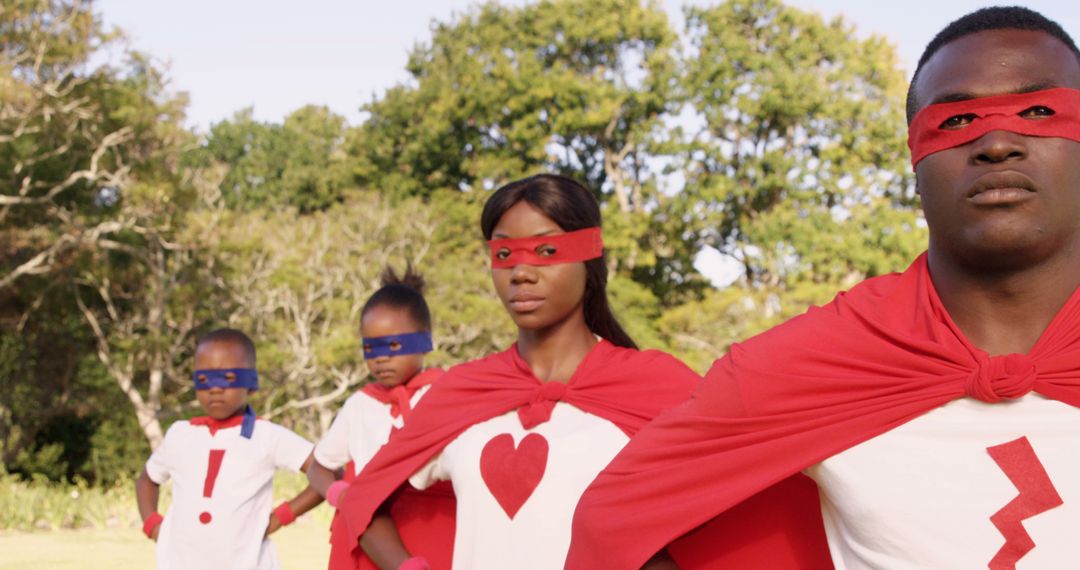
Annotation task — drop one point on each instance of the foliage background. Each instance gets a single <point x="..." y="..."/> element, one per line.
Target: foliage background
<point x="760" y="130"/>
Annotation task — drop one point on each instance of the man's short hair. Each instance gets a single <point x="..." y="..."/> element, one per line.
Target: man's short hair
<point x="986" y="19"/>
<point x="231" y="336"/>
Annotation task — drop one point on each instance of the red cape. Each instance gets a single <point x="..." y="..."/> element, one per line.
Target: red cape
<point x="625" y="386"/>
<point x="425" y="519"/>
<point x="400" y="397"/>
<point x="872" y="359"/>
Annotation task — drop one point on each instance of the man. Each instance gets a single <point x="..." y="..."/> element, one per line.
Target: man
<point x="936" y="410"/>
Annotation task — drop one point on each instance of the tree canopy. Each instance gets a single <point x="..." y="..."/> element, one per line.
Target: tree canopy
<point x="759" y="130"/>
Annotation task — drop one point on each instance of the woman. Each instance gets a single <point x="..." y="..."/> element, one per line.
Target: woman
<point x="521" y="434"/>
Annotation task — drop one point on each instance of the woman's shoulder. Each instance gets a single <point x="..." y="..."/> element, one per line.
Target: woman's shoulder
<point x="648" y="357"/>
<point x="494" y="361"/>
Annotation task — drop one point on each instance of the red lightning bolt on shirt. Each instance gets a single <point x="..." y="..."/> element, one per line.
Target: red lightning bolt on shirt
<point x="1037" y="495"/>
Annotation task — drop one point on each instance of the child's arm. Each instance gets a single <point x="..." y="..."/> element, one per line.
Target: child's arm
<point x="146" y="495"/>
<point x="303" y="502"/>
<point x="382" y="543"/>
<point x="660" y="561"/>
<point x="319" y="476"/>
<point x="326" y="482"/>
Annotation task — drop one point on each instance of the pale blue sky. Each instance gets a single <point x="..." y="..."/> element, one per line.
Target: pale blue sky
<point x="277" y="56"/>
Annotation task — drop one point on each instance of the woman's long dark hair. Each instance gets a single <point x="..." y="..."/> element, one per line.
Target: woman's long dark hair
<point x="572" y="207"/>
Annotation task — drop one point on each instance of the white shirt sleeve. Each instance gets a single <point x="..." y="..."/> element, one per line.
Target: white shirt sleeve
<point x="163" y="460"/>
<point x="332" y="450"/>
<point x="429" y="474"/>
<point x="290" y="451"/>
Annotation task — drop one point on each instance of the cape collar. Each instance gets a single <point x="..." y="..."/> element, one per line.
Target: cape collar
<point x="400" y="397"/>
<point x="246" y="420"/>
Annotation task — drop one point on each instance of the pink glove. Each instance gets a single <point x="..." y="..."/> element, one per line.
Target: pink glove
<point x="415" y="563"/>
<point x="335" y="491"/>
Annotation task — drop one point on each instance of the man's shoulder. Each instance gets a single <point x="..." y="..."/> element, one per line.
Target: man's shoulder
<point x="876" y="289"/>
<point x="872" y="299"/>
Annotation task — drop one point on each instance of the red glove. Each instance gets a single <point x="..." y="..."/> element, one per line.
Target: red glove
<point x="151" y="523"/>
<point x="285" y="514"/>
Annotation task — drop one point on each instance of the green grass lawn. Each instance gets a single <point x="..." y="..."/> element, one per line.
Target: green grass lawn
<point x="301" y="546"/>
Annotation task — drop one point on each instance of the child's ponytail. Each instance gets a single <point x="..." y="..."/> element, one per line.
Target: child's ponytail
<point x="402" y="292"/>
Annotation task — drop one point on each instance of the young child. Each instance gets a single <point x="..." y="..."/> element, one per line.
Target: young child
<point x="396" y="327"/>
<point x="222" y="466"/>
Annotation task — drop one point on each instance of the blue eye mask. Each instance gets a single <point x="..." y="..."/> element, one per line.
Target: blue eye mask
<point x="226" y="378"/>
<point x="397" y="344"/>
<point x="231" y="378"/>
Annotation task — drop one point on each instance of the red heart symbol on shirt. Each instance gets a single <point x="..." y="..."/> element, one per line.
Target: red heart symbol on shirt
<point x="513" y="474"/>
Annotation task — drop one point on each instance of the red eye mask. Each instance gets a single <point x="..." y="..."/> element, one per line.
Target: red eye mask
<point x="571" y="247"/>
<point x="927" y="134"/>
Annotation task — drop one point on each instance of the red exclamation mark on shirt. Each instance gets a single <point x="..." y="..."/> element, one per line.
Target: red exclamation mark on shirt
<point x="212" y="469"/>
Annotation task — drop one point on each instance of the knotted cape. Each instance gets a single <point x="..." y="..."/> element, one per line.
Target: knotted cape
<point x="874" y="358"/>
<point x="400" y="397"/>
<point x="246" y="421"/>
<point x="625" y="386"/>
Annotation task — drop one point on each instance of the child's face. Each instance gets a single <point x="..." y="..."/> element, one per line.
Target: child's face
<point x="222" y="403"/>
<point x="383" y="320"/>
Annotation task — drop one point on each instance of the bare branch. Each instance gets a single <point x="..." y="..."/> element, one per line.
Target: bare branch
<point x="104" y="353"/>
<point x="40" y="263"/>
<point x="46" y="260"/>
<point x="344" y="379"/>
<point x="92" y="173"/>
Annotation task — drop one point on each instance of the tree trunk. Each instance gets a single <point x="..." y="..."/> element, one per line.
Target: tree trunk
<point x="148" y="421"/>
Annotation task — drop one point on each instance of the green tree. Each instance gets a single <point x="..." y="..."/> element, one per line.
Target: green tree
<point x="122" y="237"/>
<point x="147" y="296"/>
<point x="92" y="210"/>
<point x="71" y="136"/>
<point x="795" y="165"/>
<point x="570" y="86"/>
<point x="299" y="283"/>
<point x="299" y="163"/>
<point x="41" y="361"/>
<point x="799" y="168"/>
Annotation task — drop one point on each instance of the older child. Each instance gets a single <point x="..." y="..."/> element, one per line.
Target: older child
<point x="522" y="433"/>
<point x="396" y="327"/>
<point x="222" y="467"/>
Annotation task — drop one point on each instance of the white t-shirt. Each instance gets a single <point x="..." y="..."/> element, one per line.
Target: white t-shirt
<point x="240" y="498"/>
<point x="541" y="494"/>
<point x="361" y="427"/>
<point x="921" y="495"/>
